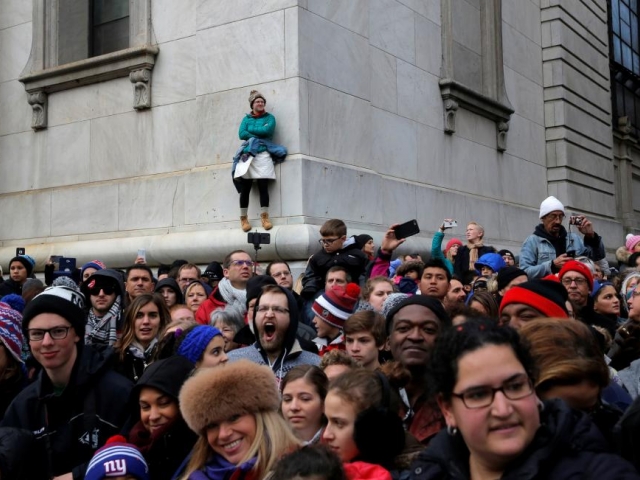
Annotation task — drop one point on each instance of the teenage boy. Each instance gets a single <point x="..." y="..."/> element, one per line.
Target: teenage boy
<point x="364" y="335"/>
<point x="331" y="310"/>
<point x="336" y="251"/>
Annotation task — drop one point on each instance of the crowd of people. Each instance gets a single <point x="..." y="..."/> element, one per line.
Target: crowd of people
<point x="458" y="363"/>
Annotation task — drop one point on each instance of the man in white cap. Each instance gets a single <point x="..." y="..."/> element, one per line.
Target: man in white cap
<point x="551" y="246"/>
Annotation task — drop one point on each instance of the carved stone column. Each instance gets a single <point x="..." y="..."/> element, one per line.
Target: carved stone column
<point x="38" y="102"/>
<point x="141" y="80"/>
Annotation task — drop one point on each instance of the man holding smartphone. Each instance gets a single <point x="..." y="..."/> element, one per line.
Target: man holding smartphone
<point x="551" y="246"/>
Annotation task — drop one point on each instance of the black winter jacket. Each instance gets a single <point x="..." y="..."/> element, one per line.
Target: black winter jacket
<point x="566" y="446"/>
<point x="349" y="257"/>
<point x="461" y="263"/>
<point x="8" y="287"/>
<point x="70" y="427"/>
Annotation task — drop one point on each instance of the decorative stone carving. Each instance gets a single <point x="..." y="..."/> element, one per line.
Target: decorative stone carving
<point x="141" y="80"/>
<point x="624" y="125"/>
<point x="450" y="111"/>
<point x="503" y="128"/>
<point x="38" y="102"/>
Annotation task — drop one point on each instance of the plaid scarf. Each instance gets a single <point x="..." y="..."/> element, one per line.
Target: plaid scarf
<point x="103" y="330"/>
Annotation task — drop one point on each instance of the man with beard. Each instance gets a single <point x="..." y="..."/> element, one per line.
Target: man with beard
<point x="275" y="321"/>
<point x="550" y="247"/>
<point x="105" y="291"/>
<point x="413" y="327"/>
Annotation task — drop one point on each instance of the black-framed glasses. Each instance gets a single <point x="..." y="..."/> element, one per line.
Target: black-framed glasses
<point x="57" y="333"/>
<point x="479" y="397"/>
<point x="107" y="289"/>
<point x="274" y="309"/>
<point x="328" y="241"/>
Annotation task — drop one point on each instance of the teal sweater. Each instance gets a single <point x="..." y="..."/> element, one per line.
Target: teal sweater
<point x="260" y="127"/>
<point x="436" y="250"/>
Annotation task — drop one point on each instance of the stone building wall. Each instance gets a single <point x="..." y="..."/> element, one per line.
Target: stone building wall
<point x="354" y="85"/>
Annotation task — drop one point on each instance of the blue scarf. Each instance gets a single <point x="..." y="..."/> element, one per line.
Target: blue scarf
<point x="219" y="469"/>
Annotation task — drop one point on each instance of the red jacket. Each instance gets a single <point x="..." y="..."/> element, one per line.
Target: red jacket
<point x="210" y="305"/>
<point x="366" y="471"/>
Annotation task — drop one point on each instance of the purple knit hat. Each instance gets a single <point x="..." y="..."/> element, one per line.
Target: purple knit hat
<point x="10" y="331"/>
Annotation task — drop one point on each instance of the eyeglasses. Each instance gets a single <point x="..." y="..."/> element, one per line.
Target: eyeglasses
<point x="275" y="309"/>
<point x="327" y="241"/>
<point x="555" y="216"/>
<point x="568" y="281"/>
<point x="56" y="333"/>
<point x="280" y="274"/>
<point x="480" y="397"/>
<point x="242" y="263"/>
<point x="107" y="289"/>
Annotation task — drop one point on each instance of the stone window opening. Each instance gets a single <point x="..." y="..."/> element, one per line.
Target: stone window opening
<point x="80" y="42"/>
<point x="472" y="69"/>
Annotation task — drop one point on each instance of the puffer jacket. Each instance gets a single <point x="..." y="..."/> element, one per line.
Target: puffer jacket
<point x="70" y="427"/>
<point x="258" y="127"/>
<point x="568" y="445"/>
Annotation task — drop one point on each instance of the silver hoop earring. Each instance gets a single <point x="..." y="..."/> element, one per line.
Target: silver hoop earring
<point x="540" y="405"/>
<point x="453" y="431"/>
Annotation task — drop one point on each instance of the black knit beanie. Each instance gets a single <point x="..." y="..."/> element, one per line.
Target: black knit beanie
<point x="63" y="301"/>
<point x="431" y="303"/>
<point x="507" y="274"/>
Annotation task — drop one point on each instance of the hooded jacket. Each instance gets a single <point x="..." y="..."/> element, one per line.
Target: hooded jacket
<point x="70" y="427"/>
<point x="113" y="275"/>
<point x="291" y="354"/>
<point x="540" y="249"/>
<point x="165" y="450"/>
<point x="173" y="285"/>
<point x="567" y="445"/>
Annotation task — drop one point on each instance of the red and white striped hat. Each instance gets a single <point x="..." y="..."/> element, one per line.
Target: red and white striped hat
<point x="337" y="304"/>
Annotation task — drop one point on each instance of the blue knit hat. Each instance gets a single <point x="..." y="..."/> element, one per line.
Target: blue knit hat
<point x="117" y="459"/>
<point x="27" y="261"/>
<point x="196" y="341"/>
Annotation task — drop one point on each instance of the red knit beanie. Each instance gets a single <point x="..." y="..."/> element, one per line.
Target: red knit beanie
<point x="451" y="243"/>
<point x="546" y="296"/>
<point x="581" y="268"/>
<point x="337" y="304"/>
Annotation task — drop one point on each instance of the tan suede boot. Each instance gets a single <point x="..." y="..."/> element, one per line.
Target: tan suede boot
<point x="244" y="223"/>
<point x="266" y="223"/>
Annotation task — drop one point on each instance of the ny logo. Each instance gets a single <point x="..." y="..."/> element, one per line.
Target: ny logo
<point x="118" y="466"/>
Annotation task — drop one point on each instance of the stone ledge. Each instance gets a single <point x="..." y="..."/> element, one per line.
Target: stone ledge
<point x="456" y="95"/>
<point x="91" y="70"/>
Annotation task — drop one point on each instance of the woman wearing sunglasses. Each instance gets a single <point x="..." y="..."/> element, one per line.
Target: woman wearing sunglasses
<point x="497" y="428"/>
<point x="104" y="291"/>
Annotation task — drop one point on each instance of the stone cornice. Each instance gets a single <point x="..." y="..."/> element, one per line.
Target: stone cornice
<point x="91" y="70"/>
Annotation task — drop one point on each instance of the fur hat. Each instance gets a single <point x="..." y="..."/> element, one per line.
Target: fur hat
<point x="63" y="301"/>
<point x="117" y="459"/>
<point x="550" y="204"/>
<point x="546" y="296"/>
<point x="337" y="304"/>
<point x="216" y="394"/>
<point x="632" y="241"/>
<point x="253" y="95"/>
<point x="581" y="268"/>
